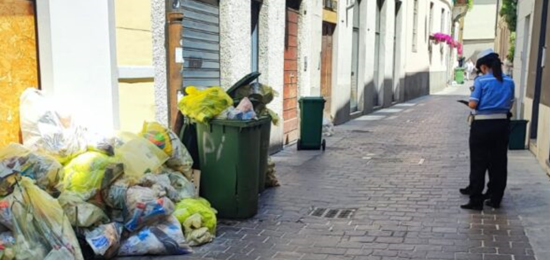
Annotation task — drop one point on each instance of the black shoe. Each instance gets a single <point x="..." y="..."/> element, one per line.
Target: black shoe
<point x="492" y="204"/>
<point x="465" y="191"/>
<point x="473" y="206"/>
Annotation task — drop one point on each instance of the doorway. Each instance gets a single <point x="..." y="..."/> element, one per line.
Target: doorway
<point x="377" y="82"/>
<point x="397" y="54"/>
<point x="525" y="65"/>
<point x="354" y="98"/>
<point x="326" y="64"/>
<point x="539" y="68"/>
<point x="290" y="103"/>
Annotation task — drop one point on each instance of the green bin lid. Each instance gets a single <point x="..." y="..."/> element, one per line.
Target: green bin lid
<point x="246" y="80"/>
<point x="315" y="99"/>
<point x="240" y="123"/>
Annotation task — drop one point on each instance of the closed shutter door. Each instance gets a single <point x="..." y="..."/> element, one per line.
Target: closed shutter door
<point x="201" y="43"/>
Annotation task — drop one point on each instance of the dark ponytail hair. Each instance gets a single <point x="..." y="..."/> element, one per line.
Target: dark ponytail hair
<point x="496" y="67"/>
<point x="492" y="61"/>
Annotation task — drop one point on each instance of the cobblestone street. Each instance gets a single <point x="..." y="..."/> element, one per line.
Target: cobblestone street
<point x="397" y="172"/>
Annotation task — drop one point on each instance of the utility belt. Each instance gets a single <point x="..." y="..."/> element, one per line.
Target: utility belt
<point x="472" y="117"/>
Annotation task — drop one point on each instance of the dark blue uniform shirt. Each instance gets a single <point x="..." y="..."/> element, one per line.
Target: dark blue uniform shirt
<point x="493" y="96"/>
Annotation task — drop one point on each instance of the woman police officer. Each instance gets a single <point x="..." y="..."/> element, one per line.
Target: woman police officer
<point x="492" y="98"/>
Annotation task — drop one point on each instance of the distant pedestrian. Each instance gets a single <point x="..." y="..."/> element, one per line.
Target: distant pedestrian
<point x="491" y="98"/>
<point x="470" y="67"/>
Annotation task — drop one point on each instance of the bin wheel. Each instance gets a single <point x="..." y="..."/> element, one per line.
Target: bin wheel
<point x="324" y="145"/>
<point x="298" y="145"/>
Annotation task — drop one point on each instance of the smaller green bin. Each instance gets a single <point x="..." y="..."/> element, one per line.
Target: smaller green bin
<point x="518" y="130"/>
<point x="265" y="138"/>
<point x="459" y="75"/>
<point x="229" y="152"/>
<point x="311" y="123"/>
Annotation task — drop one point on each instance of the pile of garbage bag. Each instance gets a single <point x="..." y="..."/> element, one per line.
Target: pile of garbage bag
<point x="70" y="194"/>
<point x="245" y="100"/>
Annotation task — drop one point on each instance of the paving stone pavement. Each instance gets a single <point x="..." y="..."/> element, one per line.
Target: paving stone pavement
<point x="400" y="170"/>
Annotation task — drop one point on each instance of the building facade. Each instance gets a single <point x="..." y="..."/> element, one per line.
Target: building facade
<point x="533" y="35"/>
<point x="479" y="28"/>
<point x="127" y="60"/>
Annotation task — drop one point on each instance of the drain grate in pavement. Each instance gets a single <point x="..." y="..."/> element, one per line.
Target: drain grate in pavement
<point x="332" y="213"/>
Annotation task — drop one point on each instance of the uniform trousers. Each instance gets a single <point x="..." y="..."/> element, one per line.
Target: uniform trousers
<point x="488" y="152"/>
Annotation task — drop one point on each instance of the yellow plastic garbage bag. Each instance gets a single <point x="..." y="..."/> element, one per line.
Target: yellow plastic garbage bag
<point x="139" y="156"/>
<point x="180" y="159"/>
<point x="44" y="169"/>
<point x="41" y="229"/>
<point x="204" y="105"/>
<point x="79" y="212"/>
<point x="188" y="207"/>
<point x="85" y="172"/>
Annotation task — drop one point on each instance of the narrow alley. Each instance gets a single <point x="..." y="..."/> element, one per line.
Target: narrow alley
<point x="395" y="175"/>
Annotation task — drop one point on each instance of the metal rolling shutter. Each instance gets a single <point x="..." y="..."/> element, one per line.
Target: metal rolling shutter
<point x="201" y="43"/>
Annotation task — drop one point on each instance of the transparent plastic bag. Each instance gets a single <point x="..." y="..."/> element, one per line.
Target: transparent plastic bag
<point x="40" y="225"/>
<point x="204" y="105"/>
<point x="164" y="238"/>
<point x="49" y="130"/>
<point x="188" y="207"/>
<point x="139" y="156"/>
<point x="105" y="239"/>
<point x="79" y="212"/>
<point x="44" y="169"/>
<point x="173" y="184"/>
<point x="180" y="159"/>
<point x="328" y="126"/>
<point x="115" y="195"/>
<point x="6" y="218"/>
<point x="145" y="206"/>
<point x="7" y="242"/>
<point x="85" y="172"/>
<point x="244" y="111"/>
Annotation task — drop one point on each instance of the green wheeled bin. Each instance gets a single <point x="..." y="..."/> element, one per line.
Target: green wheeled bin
<point x="265" y="138"/>
<point x="518" y="130"/>
<point x="459" y="75"/>
<point x="311" y="124"/>
<point x="229" y="152"/>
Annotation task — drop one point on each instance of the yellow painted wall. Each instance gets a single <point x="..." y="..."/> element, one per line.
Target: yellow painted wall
<point x="137" y="104"/>
<point x="542" y="147"/>
<point x="18" y="63"/>
<point x="133" y="30"/>
<point x="135" y="48"/>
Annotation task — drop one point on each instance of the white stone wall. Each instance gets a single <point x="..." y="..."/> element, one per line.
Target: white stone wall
<point x="235" y="41"/>
<point x="419" y="60"/>
<point x="78" y="59"/>
<point x="309" y="48"/>
<point x="342" y="61"/>
<point x="158" y="19"/>
<point x="366" y="53"/>
<point x="271" y="56"/>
